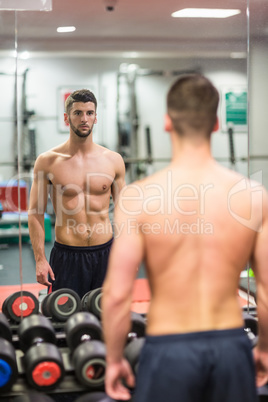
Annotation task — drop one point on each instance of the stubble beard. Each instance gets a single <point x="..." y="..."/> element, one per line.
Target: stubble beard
<point x="78" y="132"/>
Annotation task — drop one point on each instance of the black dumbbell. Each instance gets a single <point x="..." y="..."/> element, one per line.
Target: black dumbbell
<point x="136" y="339"/>
<point x="138" y="326"/>
<point x="251" y="327"/>
<point x="8" y="362"/>
<point x="33" y="397"/>
<point x="83" y="335"/>
<point x="94" y="397"/>
<point x="91" y="302"/>
<point x="61" y="304"/>
<point x="20" y="305"/>
<point x="132" y="353"/>
<point x="42" y="360"/>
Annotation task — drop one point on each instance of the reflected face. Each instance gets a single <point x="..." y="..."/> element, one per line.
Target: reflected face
<point x="82" y="118"/>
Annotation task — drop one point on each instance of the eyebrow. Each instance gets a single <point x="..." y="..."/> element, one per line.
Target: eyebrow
<point x="79" y="110"/>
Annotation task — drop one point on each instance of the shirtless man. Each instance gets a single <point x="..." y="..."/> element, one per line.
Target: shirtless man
<point x="80" y="177"/>
<point x="196" y="224"/>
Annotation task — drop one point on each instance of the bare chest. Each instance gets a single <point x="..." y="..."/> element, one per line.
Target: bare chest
<point x="71" y="179"/>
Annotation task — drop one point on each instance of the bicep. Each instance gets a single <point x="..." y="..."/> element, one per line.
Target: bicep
<point x="119" y="180"/>
<point x="39" y="191"/>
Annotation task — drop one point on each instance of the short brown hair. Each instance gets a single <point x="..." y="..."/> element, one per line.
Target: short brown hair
<point x="81" y="95"/>
<point x="192" y="102"/>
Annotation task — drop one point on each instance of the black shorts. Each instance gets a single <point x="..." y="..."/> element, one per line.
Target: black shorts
<point x="79" y="268"/>
<point x="209" y="366"/>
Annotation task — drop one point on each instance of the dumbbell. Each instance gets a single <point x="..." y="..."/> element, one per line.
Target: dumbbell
<point x="20" y="305"/>
<point x="94" y="397"/>
<point x="251" y="327"/>
<point x="91" y="302"/>
<point x="8" y="362"/>
<point x="33" y="397"/>
<point x="136" y="339"/>
<point x="83" y="336"/>
<point x="61" y="304"/>
<point x="42" y="360"/>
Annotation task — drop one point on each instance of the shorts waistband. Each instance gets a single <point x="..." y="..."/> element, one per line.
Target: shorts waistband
<point x="78" y="249"/>
<point x="219" y="333"/>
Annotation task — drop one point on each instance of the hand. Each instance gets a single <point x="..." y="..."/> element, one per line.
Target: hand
<point x="42" y="270"/>
<point x="261" y="363"/>
<point x="115" y="373"/>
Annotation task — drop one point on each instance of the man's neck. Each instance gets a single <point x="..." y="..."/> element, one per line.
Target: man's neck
<point x="190" y="152"/>
<point x="81" y="145"/>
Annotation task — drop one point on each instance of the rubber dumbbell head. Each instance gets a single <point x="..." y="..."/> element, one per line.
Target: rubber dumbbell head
<point x="138" y="326"/>
<point x="19" y="305"/>
<point x="83" y="336"/>
<point x="42" y="359"/>
<point x="8" y="362"/>
<point x="61" y="304"/>
<point x="91" y="302"/>
<point x="94" y="397"/>
<point x="132" y="353"/>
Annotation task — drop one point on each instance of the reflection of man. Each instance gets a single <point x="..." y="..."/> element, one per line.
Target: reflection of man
<point x="183" y="223"/>
<point x="80" y="177"/>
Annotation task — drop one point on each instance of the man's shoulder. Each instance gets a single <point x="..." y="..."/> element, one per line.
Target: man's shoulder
<point x="114" y="156"/>
<point x="49" y="156"/>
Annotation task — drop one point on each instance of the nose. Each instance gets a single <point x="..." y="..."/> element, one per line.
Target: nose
<point x="84" y="117"/>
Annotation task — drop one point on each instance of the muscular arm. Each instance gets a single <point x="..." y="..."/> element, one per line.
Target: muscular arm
<point x="119" y="181"/>
<point x="125" y="257"/>
<point x="37" y="206"/>
<point x="260" y="267"/>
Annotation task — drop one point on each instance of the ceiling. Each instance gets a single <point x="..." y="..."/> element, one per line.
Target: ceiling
<point x="135" y="28"/>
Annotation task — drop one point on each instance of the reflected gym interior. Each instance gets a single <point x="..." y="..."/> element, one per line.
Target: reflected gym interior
<point x="128" y="53"/>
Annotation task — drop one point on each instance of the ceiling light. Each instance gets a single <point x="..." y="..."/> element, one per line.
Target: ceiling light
<point x="238" y="55"/>
<point x="66" y="29"/>
<point x="204" y="13"/>
<point x="24" y="55"/>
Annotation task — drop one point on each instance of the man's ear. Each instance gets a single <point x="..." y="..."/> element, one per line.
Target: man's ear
<point x="168" y="123"/>
<point x="66" y="120"/>
<point x="216" y="125"/>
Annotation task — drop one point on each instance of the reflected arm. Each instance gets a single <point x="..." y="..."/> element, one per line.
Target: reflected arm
<point x="37" y="207"/>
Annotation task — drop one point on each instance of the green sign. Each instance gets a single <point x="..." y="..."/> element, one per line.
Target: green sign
<point x="236" y="108"/>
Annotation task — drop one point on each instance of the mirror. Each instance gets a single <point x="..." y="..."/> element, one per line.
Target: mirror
<point x="45" y="75"/>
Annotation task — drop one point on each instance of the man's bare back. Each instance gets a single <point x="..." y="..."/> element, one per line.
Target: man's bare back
<point x="205" y="213"/>
<point x="196" y="225"/>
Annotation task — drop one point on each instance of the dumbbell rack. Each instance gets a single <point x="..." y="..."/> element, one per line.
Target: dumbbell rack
<point x="69" y="384"/>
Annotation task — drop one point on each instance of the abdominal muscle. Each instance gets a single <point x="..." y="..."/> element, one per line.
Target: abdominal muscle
<point x="84" y="228"/>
